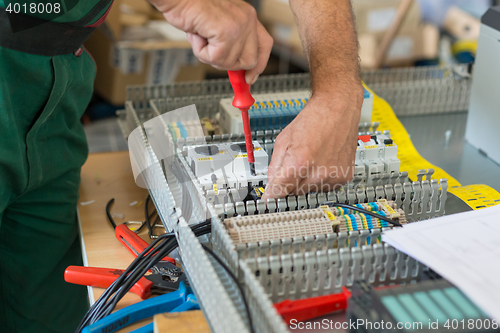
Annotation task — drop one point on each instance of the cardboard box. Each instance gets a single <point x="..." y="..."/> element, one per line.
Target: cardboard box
<point x="405" y="49"/>
<point x="123" y="63"/>
<point x="372" y="16"/>
<point x="375" y="17"/>
<point x="276" y="11"/>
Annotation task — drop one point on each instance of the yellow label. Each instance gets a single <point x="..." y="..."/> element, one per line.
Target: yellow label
<point x="240" y="155"/>
<point x="223" y="152"/>
<point x="411" y="160"/>
<point x="390" y="145"/>
<point x="328" y="213"/>
<point x="205" y="159"/>
<point x="257" y="149"/>
<point x="389" y="209"/>
<point x="371" y="147"/>
<point x="209" y="126"/>
<point x="477" y="196"/>
<point x="215" y="189"/>
<point x="262" y="190"/>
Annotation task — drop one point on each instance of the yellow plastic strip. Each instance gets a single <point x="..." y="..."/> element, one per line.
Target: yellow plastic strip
<point x="477" y="196"/>
<point x="411" y="160"/>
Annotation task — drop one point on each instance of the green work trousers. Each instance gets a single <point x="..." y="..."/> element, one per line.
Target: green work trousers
<point x="42" y="148"/>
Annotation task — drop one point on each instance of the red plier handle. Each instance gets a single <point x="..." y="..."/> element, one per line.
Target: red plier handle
<point x="133" y="242"/>
<point x="313" y="307"/>
<point x="103" y="278"/>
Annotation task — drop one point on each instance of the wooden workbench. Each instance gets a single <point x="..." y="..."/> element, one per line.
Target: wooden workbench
<point x="106" y="176"/>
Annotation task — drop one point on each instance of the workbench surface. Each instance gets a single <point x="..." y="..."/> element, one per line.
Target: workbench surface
<point x="106" y="176"/>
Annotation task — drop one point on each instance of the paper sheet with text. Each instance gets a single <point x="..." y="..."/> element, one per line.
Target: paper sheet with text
<point x="463" y="248"/>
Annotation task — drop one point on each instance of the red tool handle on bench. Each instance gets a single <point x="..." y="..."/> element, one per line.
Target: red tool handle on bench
<point x="103" y="278"/>
<point x="133" y="242"/>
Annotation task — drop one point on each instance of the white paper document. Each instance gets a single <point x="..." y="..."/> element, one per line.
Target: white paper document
<point x="463" y="248"/>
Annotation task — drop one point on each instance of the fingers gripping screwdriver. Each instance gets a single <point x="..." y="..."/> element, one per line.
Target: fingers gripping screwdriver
<point x="243" y="100"/>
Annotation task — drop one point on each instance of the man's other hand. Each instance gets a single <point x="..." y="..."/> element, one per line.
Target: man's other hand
<point x="223" y="33"/>
<point x="316" y="151"/>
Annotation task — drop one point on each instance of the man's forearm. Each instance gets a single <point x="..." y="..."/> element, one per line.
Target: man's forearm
<point x="327" y="31"/>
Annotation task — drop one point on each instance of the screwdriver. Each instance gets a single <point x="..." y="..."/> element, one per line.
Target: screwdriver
<point x="243" y="100"/>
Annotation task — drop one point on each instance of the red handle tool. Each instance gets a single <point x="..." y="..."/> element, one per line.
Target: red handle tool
<point x="133" y="242"/>
<point x="243" y="100"/>
<point x="103" y="278"/>
<point x="313" y="307"/>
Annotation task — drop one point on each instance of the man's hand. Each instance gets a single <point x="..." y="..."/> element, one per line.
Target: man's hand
<point x="316" y="151"/>
<point x="223" y="33"/>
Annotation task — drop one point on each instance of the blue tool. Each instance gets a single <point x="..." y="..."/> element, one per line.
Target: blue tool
<point x="177" y="301"/>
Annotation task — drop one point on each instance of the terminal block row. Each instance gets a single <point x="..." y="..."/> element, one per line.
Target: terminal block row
<point x="317" y="273"/>
<point x="276" y="111"/>
<point x="309" y="222"/>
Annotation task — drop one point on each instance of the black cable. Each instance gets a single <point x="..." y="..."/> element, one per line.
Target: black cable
<point x="231" y="274"/>
<point x="146" y="215"/>
<point x="101" y="309"/>
<point x="110" y="218"/>
<point x="163" y="250"/>
<point x="144" y="261"/>
<point x="201" y="224"/>
<point x="112" y="221"/>
<point x="138" y="273"/>
<point x="364" y="211"/>
<point x="97" y="306"/>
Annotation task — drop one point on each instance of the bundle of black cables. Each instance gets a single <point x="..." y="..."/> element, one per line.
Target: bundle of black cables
<point x="157" y="250"/>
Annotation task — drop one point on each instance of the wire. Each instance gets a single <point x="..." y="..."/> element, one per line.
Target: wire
<point x="110" y="218"/>
<point x="153" y="253"/>
<point x="231" y="274"/>
<point x="146" y="213"/>
<point x="364" y="211"/>
<point x="147" y="217"/>
<point x="95" y="310"/>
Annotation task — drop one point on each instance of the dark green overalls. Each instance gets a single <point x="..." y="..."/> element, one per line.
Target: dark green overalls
<point x="42" y="149"/>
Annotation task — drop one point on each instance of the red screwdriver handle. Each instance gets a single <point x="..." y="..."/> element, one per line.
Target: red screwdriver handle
<point x="243" y="100"/>
<point x="313" y="307"/>
<point x="242" y="97"/>
<point x="103" y="278"/>
<point x="133" y="242"/>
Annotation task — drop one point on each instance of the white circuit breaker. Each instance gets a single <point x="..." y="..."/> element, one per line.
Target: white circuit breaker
<point x="376" y="155"/>
<point x="226" y="165"/>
